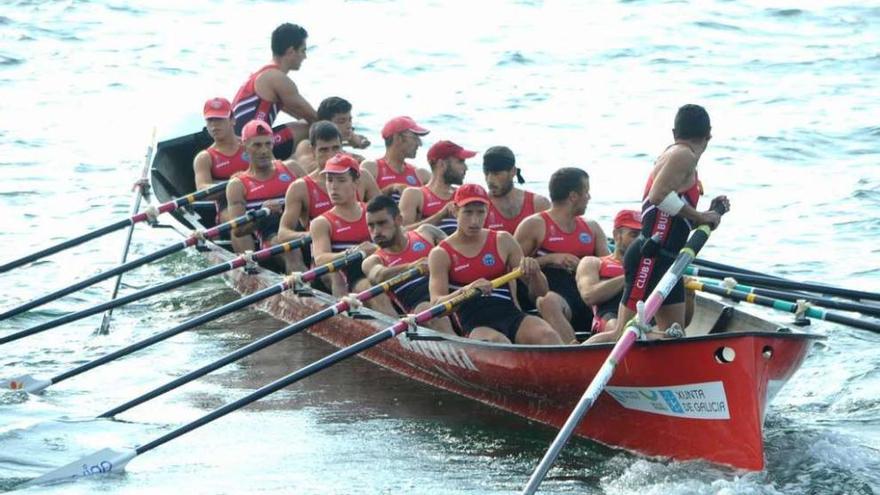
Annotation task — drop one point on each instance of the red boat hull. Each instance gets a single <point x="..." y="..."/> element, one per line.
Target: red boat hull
<point x="673" y="398"/>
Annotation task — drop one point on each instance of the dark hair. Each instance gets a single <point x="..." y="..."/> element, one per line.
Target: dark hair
<point x="500" y="159"/>
<point x="691" y="121"/>
<point x="323" y="130"/>
<point x="332" y="106"/>
<point x="287" y="35"/>
<point x="382" y="202"/>
<point x="565" y="181"/>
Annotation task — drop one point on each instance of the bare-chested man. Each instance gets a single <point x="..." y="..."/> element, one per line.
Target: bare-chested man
<point x="393" y="174"/>
<point x="510" y="205"/>
<point x="270" y="89"/>
<point x="338" y="111"/>
<point x="668" y="215"/>
<point x="432" y="204"/>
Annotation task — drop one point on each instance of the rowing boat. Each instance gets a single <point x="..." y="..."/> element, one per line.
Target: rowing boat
<point x="700" y="397"/>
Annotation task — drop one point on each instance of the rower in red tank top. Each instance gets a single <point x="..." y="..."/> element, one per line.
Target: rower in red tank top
<point x="345" y="234"/>
<point x="257" y="191"/>
<point x="402" y="137"/>
<point x="319" y="200"/>
<point x="247" y="104"/>
<point x="497" y="221"/>
<point x="387" y="176"/>
<point x="431" y="204"/>
<point x="485" y="264"/>
<point x="580" y="242"/>
<point x="225" y="166"/>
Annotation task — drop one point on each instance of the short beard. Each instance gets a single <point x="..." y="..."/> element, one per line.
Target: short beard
<point x="451" y="178"/>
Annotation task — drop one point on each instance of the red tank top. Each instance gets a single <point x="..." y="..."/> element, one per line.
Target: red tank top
<point x="609" y="267"/>
<point x="431" y="204"/>
<point x="319" y="200"/>
<point x="385" y="175"/>
<point x="580" y="242"/>
<point x="345" y="234"/>
<point x="248" y="106"/>
<point x="485" y="264"/>
<point x="256" y="191"/>
<point x="224" y="166"/>
<point x="496" y="221"/>
<point x="417" y="247"/>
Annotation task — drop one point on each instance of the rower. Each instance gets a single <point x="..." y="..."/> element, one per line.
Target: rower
<point x="402" y="140"/>
<point x="344" y="226"/>
<point x="400" y="250"/>
<point x="432" y="204"/>
<point x="263" y="184"/>
<point x="270" y="89"/>
<point x="668" y="216"/>
<point x="472" y="256"/>
<point x="600" y="278"/>
<point x="558" y="238"/>
<point x="338" y="111"/>
<point x="510" y="205"/>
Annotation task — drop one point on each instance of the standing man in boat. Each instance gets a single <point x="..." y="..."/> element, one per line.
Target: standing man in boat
<point x="225" y="157"/>
<point x="473" y="256"/>
<point x="558" y="238"/>
<point x="431" y="204"/>
<point x="264" y="184"/>
<point x="270" y="89"/>
<point x="344" y="226"/>
<point x="510" y="205"/>
<point x="600" y="278"/>
<point x="307" y="198"/>
<point x="338" y="111"/>
<point x="399" y="250"/>
<point x="668" y="215"/>
<point x="393" y="174"/>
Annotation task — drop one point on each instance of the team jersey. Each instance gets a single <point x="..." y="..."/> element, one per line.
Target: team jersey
<point x="386" y="176"/>
<point x="257" y="191"/>
<point x="417" y="248"/>
<point x="319" y="200"/>
<point x="248" y="106"/>
<point x="225" y="166"/>
<point x="496" y="221"/>
<point x="345" y="234"/>
<point x="431" y="204"/>
<point x="580" y="242"/>
<point x="485" y="264"/>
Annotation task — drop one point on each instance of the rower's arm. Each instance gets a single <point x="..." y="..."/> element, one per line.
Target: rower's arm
<point x="680" y="167"/>
<point x="202" y="170"/>
<point x="303" y="151"/>
<point x="293" y="208"/>
<point x="237" y="206"/>
<point x="432" y="233"/>
<point x="410" y="207"/>
<point x="594" y="290"/>
<point x="529" y="233"/>
<point x="377" y="272"/>
<point x="290" y="99"/>
<point x="368" y="182"/>
<point x="424" y="175"/>
<point x="294" y="169"/>
<point x="320" y="232"/>
<point x="536" y="281"/>
<point x="541" y="203"/>
<point x="438" y="279"/>
<point x="601" y="246"/>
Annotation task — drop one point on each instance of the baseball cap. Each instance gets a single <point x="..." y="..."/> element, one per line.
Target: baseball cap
<point x="217" y="108"/>
<point x="447" y="149"/>
<point x="630" y="219"/>
<point x="255" y="128"/>
<point x="470" y="193"/>
<point x="340" y="164"/>
<point x="400" y="124"/>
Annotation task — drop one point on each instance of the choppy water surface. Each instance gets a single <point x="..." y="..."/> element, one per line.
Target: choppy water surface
<point x="791" y="87"/>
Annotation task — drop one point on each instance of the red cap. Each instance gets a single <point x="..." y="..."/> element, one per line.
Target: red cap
<point x="630" y="219"/>
<point x="447" y="149"/>
<point x="400" y="124"/>
<point x="470" y="193"/>
<point x="340" y="164"/>
<point x="217" y="108"/>
<point x="255" y="128"/>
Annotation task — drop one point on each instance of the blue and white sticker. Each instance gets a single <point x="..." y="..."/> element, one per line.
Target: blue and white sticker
<point x="488" y="260"/>
<point x="411" y="180"/>
<point x="285" y="177"/>
<point x="418" y="246"/>
<point x="698" y="400"/>
<point x="585" y="238"/>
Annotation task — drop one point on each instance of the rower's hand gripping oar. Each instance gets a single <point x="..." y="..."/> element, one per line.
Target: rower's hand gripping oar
<point x="795" y="308"/>
<point x="113" y="461"/>
<point x="149" y="214"/>
<point x="194" y="239"/>
<point x="32" y="385"/>
<point x="219" y="268"/>
<point x="634" y="329"/>
<point x="344" y="304"/>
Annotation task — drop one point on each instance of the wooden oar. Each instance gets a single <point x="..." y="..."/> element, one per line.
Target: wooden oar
<point x="113" y="227"/>
<point x="780" y="283"/>
<point x="32" y="385"/>
<point x="344" y="304"/>
<point x="789" y="307"/>
<point x="179" y="246"/>
<point x="634" y="328"/>
<point x="113" y="461"/>
<point x="219" y="268"/>
<point x="865" y="309"/>
<point x="141" y="191"/>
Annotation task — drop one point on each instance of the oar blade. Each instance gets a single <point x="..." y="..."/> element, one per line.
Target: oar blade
<point x="103" y="461"/>
<point x="27" y="383"/>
